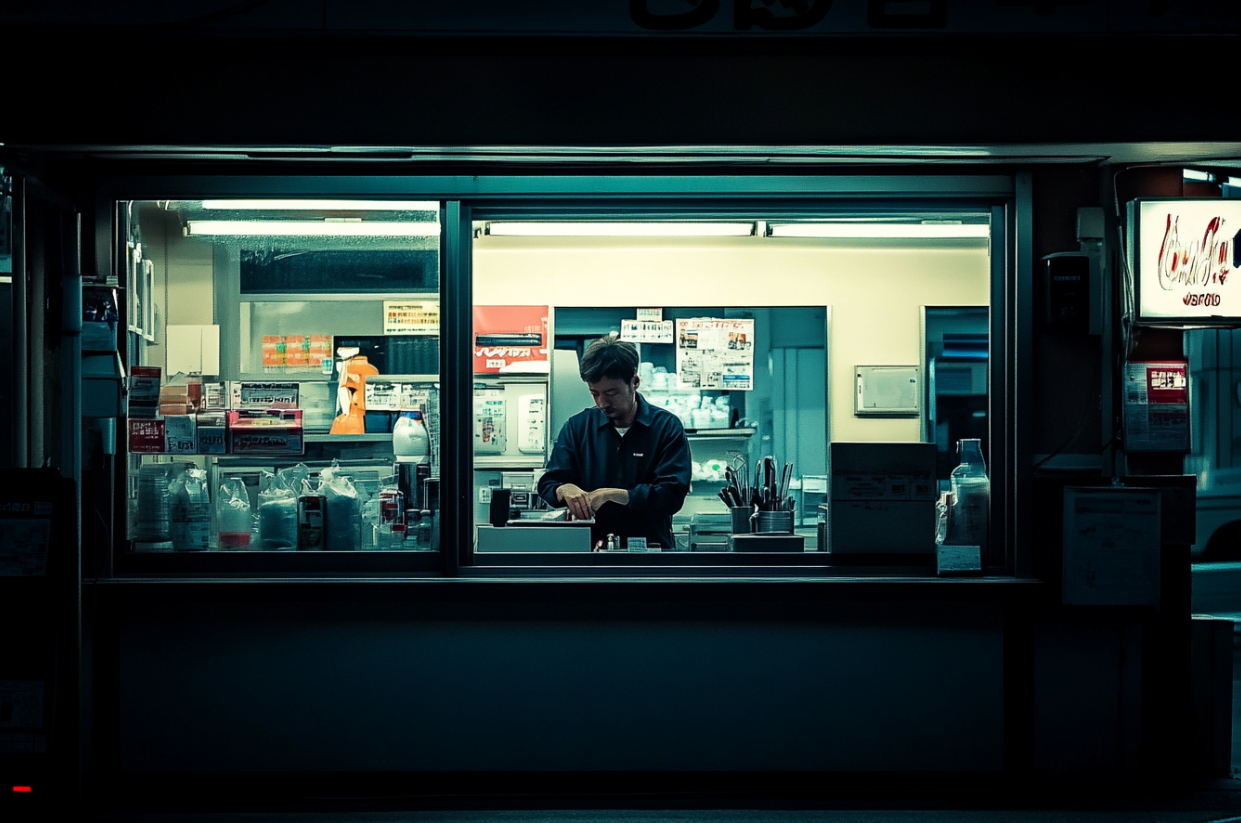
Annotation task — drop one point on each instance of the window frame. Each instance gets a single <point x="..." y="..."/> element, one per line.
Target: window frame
<point x="535" y="194"/>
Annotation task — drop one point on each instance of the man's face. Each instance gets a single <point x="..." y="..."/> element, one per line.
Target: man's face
<point x="616" y="397"/>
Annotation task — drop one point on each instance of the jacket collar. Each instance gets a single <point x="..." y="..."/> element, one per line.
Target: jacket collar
<point x="644" y="415"/>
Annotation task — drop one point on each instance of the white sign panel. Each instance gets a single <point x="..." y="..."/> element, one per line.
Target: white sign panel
<point x="1157" y="406"/>
<point x="647" y="331"/>
<point x="411" y="317"/>
<point x="1186" y="260"/>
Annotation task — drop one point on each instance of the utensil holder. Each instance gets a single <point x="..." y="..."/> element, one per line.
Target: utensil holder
<point x="741" y="520"/>
<point x="775" y="522"/>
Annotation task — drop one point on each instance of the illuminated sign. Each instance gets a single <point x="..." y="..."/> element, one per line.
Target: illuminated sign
<point x="1184" y="255"/>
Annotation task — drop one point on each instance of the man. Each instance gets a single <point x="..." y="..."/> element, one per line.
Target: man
<point x="624" y="462"/>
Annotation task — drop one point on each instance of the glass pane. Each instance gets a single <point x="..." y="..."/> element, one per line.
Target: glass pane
<point x="749" y="333"/>
<point x="285" y="378"/>
<point x="1214" y="357"/>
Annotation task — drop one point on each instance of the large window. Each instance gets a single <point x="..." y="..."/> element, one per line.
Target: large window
<point x="285" y="375"/>
<point x="331" y="383"/>
<point x="854" y="328"/>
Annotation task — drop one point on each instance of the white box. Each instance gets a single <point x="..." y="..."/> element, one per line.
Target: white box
<point x="180" y="434"/>
<point x="882" y="498"/>
<point x="888" y="390"/>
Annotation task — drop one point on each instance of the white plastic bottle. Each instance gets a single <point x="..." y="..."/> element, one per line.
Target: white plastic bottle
<point x="971" y="496"/>
<point x="409" y="438"/>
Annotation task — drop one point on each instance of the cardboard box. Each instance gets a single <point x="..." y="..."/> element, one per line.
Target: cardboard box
<point x="212" y="433"/>
<point x="883" y="498"/>
<point x="383" y="395"/>
<point x="144" y="382"/>
<point x="215" y="397"/>
<point x="174" y="401"/>
<point x="146" y="436"/>
<point x="180" y="434"/>
<point x="274" y="431"/>
<point x="255" y="396"/>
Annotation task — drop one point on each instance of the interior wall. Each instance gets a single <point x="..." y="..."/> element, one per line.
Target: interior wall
<point x="184" y="278"/>
<point x="875" y="290"/>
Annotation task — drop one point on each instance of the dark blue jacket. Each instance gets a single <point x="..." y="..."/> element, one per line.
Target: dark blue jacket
<point x="651" y="462"/>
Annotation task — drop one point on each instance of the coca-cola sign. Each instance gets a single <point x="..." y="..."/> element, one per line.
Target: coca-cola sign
<point x="1185" y="259"/>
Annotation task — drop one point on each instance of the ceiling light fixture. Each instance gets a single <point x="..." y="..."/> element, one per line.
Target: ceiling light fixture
<point x="634" y="229"/>
<point x="323" y="205"/>
<point x="917" y="231"/>
<point x="310" y="228"/>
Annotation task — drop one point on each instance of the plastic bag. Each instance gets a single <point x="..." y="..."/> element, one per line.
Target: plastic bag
<point x="190" y="510"/>
<point x="344" y="510"/>
<point x="277" y="515"/>
<point x="294" y="477"/>
<point x="233" y="514"/>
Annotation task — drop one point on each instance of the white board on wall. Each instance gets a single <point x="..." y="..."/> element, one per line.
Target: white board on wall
<point x="193" y="350"/>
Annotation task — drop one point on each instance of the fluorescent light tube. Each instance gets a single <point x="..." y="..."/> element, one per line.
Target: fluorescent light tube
<point x="306" y="228"/>
<point x="325" y="205"/>
<point x="1195" y="174"/>
<point x="881" y="230"/>
<point x="634" y="229"/>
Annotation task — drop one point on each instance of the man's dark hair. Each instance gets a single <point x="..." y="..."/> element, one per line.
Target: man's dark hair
<point x="609" y="357"/>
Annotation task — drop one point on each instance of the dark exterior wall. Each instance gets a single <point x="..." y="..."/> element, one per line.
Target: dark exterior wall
<point x="613" y="685"/>
<point x="212" y="687"/>
<point x="170" y="88"/>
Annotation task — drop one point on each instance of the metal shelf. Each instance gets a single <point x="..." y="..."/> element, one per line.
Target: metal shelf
<point x="349" y="438"/>
<point x="484" y="462"/>
<point x="719" y="432"/>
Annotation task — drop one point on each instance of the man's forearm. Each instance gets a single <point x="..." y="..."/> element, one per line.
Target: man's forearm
<point x="600" y="496"/>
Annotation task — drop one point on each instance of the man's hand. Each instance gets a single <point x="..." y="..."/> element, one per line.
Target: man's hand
<point x="583" y="505"/>
<point x="577" y="501"/>
<point x="600" y="496"/>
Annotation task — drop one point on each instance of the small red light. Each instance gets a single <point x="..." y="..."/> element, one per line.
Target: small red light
<point x="22" y="789"/>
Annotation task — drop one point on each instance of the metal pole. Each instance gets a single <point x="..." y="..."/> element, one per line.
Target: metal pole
<point x="20" y="432"/>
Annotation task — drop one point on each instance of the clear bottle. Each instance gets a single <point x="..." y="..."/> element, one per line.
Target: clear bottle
<point x="971" y="497"/>
<point x="423" y="530"/>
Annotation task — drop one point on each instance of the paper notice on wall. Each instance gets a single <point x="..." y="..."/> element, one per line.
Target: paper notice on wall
<point x="1157" y="406"/>
<point x="714" y="353"/>
<point x="1111" y="547"/>
<point x="647" y="331"/>
<point x="411" y="317"/>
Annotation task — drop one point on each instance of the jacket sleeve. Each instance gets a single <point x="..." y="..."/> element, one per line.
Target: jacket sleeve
<point x="665" y="494"/>
<point x="561" y="467"/>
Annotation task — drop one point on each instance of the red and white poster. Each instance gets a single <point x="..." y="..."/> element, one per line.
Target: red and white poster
<point x="510" y="339"/>
<point x="1157" y="406"/>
